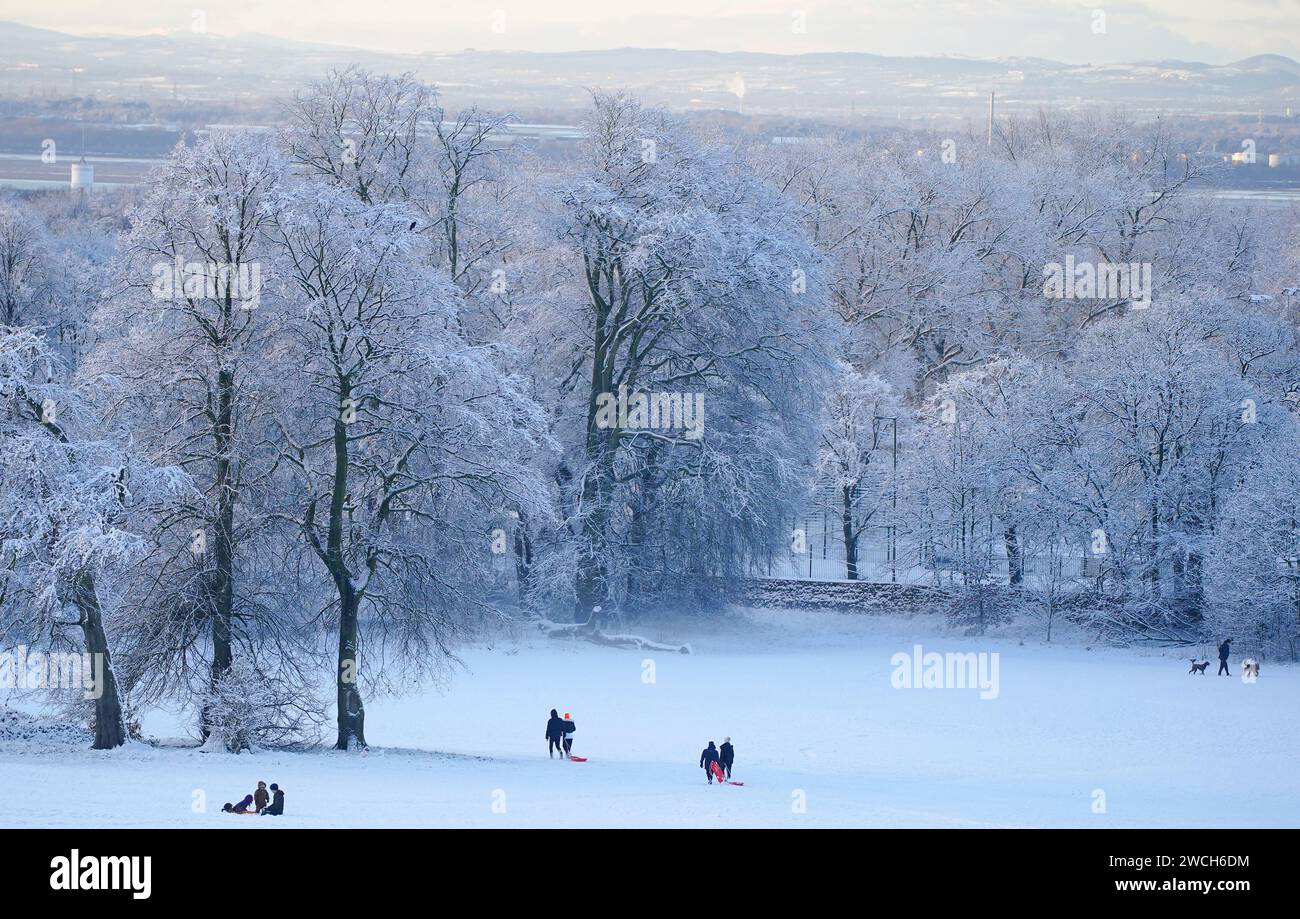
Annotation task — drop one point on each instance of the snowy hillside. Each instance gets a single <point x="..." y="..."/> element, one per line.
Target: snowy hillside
<point x="816" y="715"/>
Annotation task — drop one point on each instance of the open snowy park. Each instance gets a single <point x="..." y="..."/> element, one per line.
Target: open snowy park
<point x="1069" y="737"/>
<point x="388" y="395"/>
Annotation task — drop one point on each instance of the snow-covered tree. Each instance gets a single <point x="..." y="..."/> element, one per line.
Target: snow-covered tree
<point x="857" y="447"/>
<point x="65" y="496"/>
<point x="1253" y="559"/>
<point x="403" y="440"/>
<point x="186" y="356"/>
<point x="694" y="281"/>
<point x="26" y="265"/>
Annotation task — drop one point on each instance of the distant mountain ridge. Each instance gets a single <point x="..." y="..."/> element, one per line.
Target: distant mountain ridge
<point x="256" y="66"/>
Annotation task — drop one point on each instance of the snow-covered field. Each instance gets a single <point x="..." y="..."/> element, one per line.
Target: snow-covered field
<point x="814" y="718"/>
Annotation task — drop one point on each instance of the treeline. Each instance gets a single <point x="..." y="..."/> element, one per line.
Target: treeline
<point x="290" y="412"/>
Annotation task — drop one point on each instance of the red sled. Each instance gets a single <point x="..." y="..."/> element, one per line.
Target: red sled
<point x="577" y="759"/>
<point x="716" y="769"/>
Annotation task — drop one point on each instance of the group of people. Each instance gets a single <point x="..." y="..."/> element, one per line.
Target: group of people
<point x="717" y="761"/>
<point x="559" y="735"/>
<point x="267" y="803"/>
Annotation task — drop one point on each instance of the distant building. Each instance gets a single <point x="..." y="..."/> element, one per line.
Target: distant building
<point x="1283" y="159"/>
<point x="83" y="176"/>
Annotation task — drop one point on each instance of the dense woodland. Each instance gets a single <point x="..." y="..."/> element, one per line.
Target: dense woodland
<point x="302" y="463"/>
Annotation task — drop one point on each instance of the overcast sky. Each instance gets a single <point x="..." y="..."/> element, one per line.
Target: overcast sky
<point x="1217" y="32"/>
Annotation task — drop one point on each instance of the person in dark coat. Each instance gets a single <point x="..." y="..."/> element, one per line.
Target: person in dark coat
<point x="261" y="797"/>
<point x="241" y="808"/>
<point x="277" y="802"/>
<point x="707" y="759"/>
<point x="569" y="728"/>
<point x="726" y="756"/>
<point x="555" y="735"/>
<point x="1224" y="650"/>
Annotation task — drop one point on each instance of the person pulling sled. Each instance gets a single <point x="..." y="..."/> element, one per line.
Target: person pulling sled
<point x="726" y="756"/>
<point x="569" y="728"/>
<point x="709" y="763"/>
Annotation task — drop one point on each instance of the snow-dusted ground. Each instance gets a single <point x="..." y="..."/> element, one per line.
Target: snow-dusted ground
<point x="808" y="701"/>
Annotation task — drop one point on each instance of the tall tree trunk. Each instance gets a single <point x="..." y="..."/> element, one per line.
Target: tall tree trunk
<point x="850" y="536"/>
<point x="591" y="586"/>
<point x="1015" y="560"/>
<point x="351" y="712"/>
<point x="1154" y="574"/>
<point x="1194" y="573"/>
<point x="523" y="558"/>
<point x="110" y="728"/>
<point x="223" y="579"/>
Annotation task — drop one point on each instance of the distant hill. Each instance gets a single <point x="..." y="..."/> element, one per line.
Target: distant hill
<point x="209" y="67"/>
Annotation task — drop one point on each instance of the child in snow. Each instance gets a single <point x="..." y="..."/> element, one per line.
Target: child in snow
<point x="707" y="760"/>
<point x="727" y="755"/>
<point x="569" y="728"/>
<point x="555" y="735"/>
<point x="241" y="808"/>
<point x="277" y="804"/>
<point x="261" y="797"/>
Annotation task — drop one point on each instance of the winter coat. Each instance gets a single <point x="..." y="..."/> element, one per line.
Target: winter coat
<point x="710" y="755"/>
<point x="569" y="728"/>
<point x="277" y="806"/>
<point x="727" y="755"/>
<point x="1224" y="650"/>
<point x="555" y="729"/>
<point x="260" y="797"/>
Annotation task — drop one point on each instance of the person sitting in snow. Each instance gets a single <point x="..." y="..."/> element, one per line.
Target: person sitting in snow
<point x="241" y="808"/>
<point x="277" y="803"/>
<point x="708" y="759"/>
<point x="555" y="735"/>
<point x="261" y="797"/>
<point x="726" y="756"/>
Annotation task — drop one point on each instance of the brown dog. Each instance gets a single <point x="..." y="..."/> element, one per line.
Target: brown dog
<point x="1198" y="666"/>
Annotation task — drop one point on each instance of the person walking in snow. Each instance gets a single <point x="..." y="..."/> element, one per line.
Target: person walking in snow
<point x="555" y="735"/>
<point x="707" y="759"/>
<point x="726" y="756"/>
<point x="277" y="803"/>
<point x="1224" y="650"/>
<point x="569" y="728"/>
